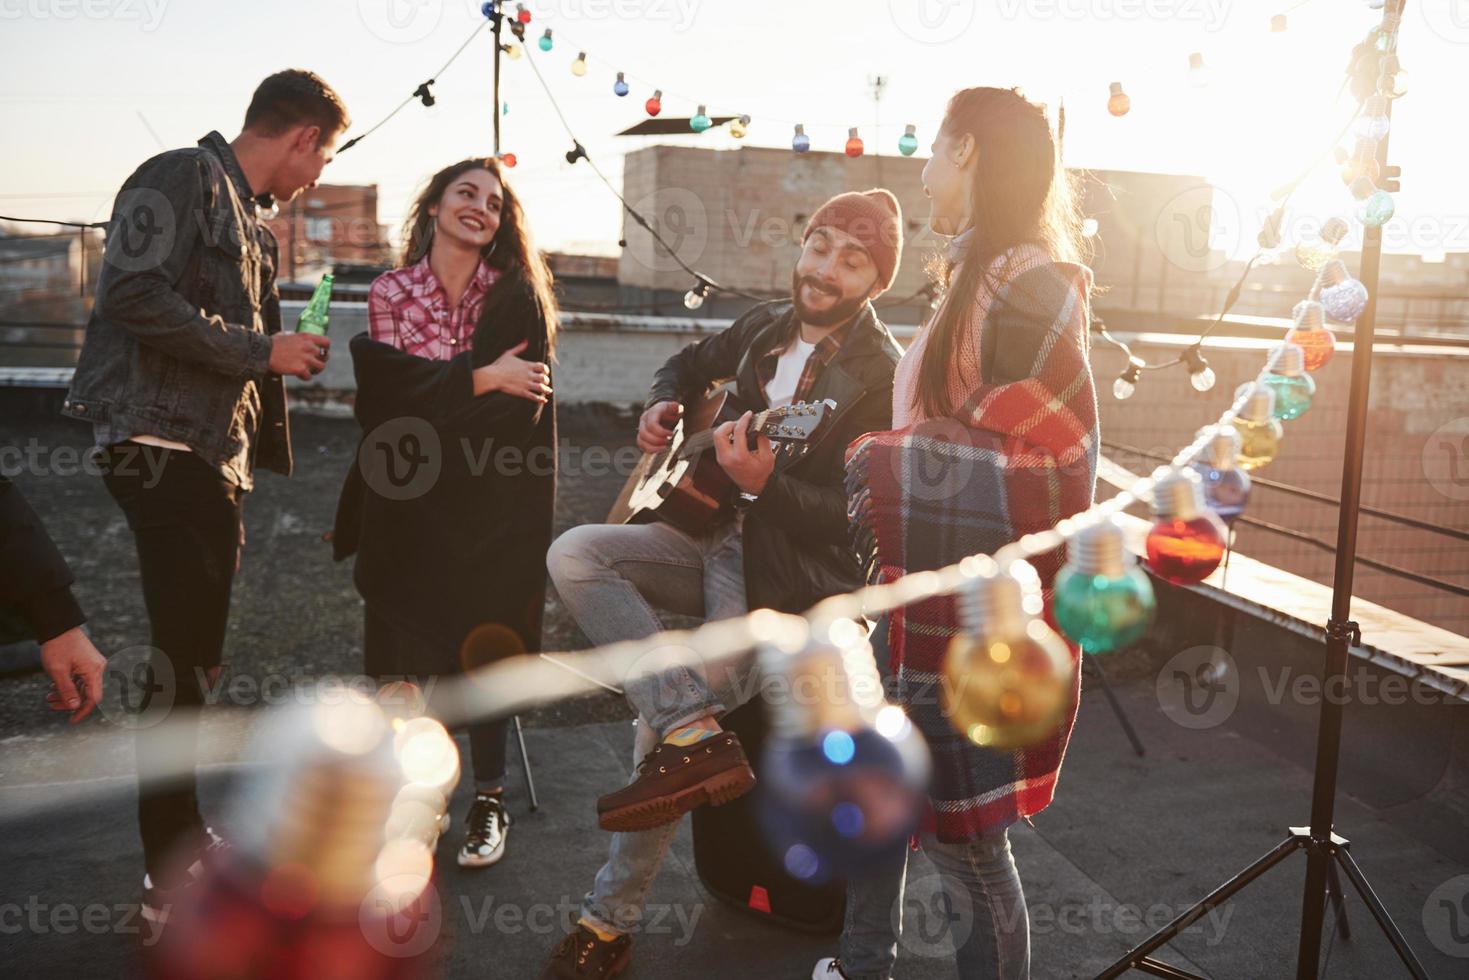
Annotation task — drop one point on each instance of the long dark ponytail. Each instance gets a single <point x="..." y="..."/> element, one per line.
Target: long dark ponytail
<point x="1020" y="194"/>
<point x="512" y="251"/>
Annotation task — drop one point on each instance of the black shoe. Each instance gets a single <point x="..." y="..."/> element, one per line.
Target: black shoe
<point x="158" y="899"/>
<point x="486" y="829"/>
<point x="584" y="956"/>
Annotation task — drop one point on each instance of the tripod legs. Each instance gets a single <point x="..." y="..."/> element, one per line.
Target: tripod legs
<point x="530" y="781"/>
<point x="1137" y="745"/>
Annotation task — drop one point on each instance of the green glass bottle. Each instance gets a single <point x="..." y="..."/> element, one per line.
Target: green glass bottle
<point x="314" y="318"/>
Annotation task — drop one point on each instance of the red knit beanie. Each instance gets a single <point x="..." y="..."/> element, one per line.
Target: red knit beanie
<point x="874" y="219"/>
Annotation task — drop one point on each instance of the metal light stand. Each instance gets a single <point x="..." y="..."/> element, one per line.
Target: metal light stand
<point x="1324" y="849"/>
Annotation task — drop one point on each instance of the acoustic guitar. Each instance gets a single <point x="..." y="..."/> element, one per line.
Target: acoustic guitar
<point x="684" y="484"/>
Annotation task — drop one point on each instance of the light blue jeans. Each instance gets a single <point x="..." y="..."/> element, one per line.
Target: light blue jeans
<point x="613" y="578"/>
<point x="976" y="904"/>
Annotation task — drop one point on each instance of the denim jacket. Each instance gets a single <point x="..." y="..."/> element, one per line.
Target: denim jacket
<point x="178" y="343"/>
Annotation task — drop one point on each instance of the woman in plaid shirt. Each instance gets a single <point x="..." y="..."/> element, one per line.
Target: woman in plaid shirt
<point x="450" y="530"/>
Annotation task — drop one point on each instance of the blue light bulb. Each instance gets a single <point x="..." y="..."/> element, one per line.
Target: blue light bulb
<point x="800" y="142"/>
<point x="619" y="87"/>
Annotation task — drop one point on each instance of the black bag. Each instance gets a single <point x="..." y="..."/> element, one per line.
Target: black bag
<point x="733" y="862"/>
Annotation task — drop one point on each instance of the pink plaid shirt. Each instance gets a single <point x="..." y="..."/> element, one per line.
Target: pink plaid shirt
<point x="409" y="309"/>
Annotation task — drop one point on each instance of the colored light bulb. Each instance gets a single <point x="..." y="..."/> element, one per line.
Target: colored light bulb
<point x="545" y="42"/>
<point x="508" y="159"/>
<point x="1009" y="679"/>
<point x="1372" y="123"/>
<point x="854" y="143"/>
<point x="908" y="142"/>
<point x="579" y="66"/>
<point x="1259" y="430"/>
<point x="843" y="776"/>
<point x="521" y="14"/>
<point x="1313" y="253"/>
<point x="620" y="87"/>
<point x="1293" y="387"/>
<point x="1118" y="103"/>
<point x="1377" y="210"/>
<point x="1102" y="600"/>
<point x="512" y="51"/>
<point x="654" y="105"/>
<point x="800" y="142"/>
<point x="738" y="127"/>
<point x="1187" y="541"/>
<point x="1198" y="72"/>
<point x="1342" y="298"/>
<point x="1311" y="335"/>
<point x="1226" y="486"/>
<point x="700" y="120"/>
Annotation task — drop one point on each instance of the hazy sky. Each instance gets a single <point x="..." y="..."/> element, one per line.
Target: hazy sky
<point x="86" y="84"/>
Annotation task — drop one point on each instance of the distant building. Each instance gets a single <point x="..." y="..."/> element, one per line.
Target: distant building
<point x="42" y="308"/>
<point x="330" y="225"/>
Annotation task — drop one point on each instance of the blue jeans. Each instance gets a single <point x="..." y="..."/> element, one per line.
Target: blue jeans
<point x="975" y="903"/>
<point x="611" y="578"/>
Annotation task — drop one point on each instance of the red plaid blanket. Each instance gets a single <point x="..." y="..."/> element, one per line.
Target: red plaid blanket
<point x="1017" y="458"/>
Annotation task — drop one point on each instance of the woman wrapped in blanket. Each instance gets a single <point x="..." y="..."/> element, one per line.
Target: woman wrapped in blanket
<point x="996" y="389"/>
<point x="449" y="507"/>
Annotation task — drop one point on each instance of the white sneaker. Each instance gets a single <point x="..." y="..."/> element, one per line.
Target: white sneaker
<point x="828" y="968"/>
<point x="487" y="828"/>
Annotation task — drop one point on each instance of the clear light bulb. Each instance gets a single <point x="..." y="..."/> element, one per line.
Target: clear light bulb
<point x="512" y="51"/>
<point x="1373" y="123"/>
<point x="694" y="298"/>
<point x="1102" y="600"/>
<point x="1009" y="679"/>
<point x="1202" y="380"/>
<point x="1126" y="383"/>
<point x="1187" y="541"/>
<point x="1198" y="72"/>
<point x="1118" y="103"/>
<point x="800" y="142"/>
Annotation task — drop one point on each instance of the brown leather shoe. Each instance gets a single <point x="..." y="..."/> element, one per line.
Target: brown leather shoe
<point x="583" y="956"/>
<point x="674" y="779"/>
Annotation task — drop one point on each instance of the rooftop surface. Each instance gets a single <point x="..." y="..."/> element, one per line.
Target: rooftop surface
<point x="1129" y="842"/>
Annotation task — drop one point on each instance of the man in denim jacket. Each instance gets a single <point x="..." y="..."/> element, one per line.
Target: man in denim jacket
<point x="180" y="376"/>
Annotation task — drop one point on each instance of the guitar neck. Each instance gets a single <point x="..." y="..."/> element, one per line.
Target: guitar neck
<point x="700" y="441"/>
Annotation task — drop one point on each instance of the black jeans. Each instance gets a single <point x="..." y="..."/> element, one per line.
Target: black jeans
<point x="390" y="652"/>
<point x="186" y="521"/>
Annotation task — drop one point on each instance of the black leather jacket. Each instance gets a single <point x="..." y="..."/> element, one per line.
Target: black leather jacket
<point x="796" y="544"/>
<point x="186" y="305"/>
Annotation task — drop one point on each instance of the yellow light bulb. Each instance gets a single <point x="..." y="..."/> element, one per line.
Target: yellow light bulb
<point x="1008" y="693"/>
<point x="1259" y="442"/>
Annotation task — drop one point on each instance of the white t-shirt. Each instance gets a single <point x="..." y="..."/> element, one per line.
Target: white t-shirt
<point x="782" y="385"/>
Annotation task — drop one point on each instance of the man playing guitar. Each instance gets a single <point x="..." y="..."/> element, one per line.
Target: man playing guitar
<point x="782" y="543"/>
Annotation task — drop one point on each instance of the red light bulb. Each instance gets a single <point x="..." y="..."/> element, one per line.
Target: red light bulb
<point x="508" y="159"/>
<point x="1311" y="334"/>
<point x="655" y="104"/>
<point x="521" y="14"/>
<point x="1187" y="541"/>
<point x="854" y="143"/>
